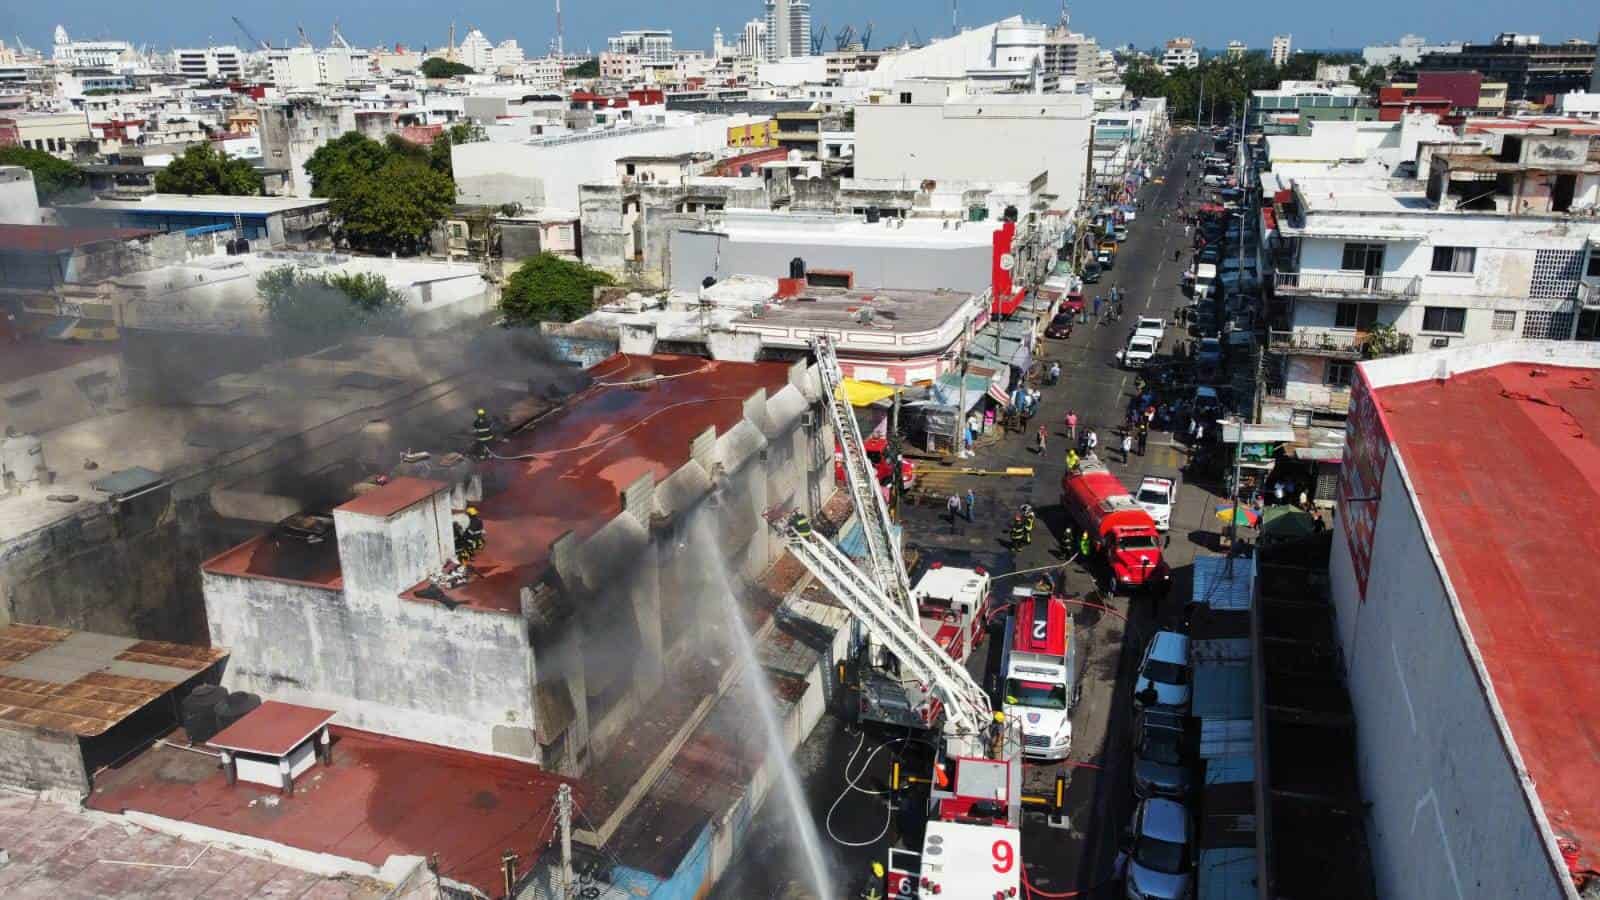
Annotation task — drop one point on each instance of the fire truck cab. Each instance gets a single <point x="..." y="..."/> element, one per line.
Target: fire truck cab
<point x="1122" y="532"/>
<point x="1039" y="664"/>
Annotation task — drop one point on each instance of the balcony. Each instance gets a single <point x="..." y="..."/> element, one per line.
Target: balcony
<point x="1336" y="343"/>
<point x="1349" y="285"/>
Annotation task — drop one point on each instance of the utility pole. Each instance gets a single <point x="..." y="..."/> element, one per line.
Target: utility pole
<point x="564" y="816"/>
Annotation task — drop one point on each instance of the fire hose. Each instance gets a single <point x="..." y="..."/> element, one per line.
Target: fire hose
<point x="851" y="784"/>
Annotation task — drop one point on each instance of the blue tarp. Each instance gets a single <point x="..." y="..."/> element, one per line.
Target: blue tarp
<point x="1218" y="587"/>
<point x="1222" y="691"/>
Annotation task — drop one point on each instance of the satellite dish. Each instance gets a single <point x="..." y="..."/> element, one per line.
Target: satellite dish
<point x="1007" y="261"/>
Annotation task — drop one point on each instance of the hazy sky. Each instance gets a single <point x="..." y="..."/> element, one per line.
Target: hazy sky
<point x="1351" y="23"/>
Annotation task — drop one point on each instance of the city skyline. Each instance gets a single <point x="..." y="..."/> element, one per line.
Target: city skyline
<point x="416" y="24"/>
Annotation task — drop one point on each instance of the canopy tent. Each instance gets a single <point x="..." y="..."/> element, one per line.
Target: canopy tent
<point x="865" y="393"/>
<point x="1285" y="523"/>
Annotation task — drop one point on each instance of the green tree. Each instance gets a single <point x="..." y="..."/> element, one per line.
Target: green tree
<point x="548" y="288"/>
<point x="204" y="170"/>
<point x="53" y="178"/>
<point x="385" y="198"/>
<point x="314" y="309"/>
<point x="468" y="132"/>
<point x="341" y="161"/>
<point x="589" y="68"/>
<point x="439" y="67"/>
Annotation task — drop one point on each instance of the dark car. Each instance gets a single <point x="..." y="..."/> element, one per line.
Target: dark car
<point x="1210" y="253"/>
<point x="1162" y="762"/>
<point x="1060" y="326"/>
<point x="1091" y="273"/>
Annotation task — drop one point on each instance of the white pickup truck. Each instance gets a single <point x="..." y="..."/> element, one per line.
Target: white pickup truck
<point x="1140" y="350"/>
<point x="1151" y="327"/>
<point x="1156" y="495"/>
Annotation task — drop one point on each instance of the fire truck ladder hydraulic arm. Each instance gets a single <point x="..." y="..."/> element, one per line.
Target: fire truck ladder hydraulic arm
<point x="860" y="478"/>
<point x="967" y="709"/>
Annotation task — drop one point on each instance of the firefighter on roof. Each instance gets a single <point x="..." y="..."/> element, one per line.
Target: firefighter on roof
<point x="471" y="536"/>
<point x="800" y="524"/>
<point x="482" y="434"/>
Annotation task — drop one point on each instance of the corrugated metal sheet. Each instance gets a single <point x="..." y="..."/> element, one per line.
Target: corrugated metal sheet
<point x="1226" y="737"/>
<point x="1228" y="873"/>
<point x="1231" y="768"/>
<point x="1222" y="691"/>
<point x="1218" y="587"/>
<point x="84" y="683"/>
<point x="1219" y="650"/>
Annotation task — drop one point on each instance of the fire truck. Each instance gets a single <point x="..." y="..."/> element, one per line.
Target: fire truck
<point x="1120" y="530"/>
<point x="1039" y="665"/>
<point x="952" y="604"/>
<point x="972" y="844"/>
<point x="878" y="453"/>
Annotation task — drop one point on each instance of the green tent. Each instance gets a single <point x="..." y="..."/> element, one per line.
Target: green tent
<point x="1283" y="523"/>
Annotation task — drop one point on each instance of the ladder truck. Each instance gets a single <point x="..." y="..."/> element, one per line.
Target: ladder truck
<point x="948" y="604"/>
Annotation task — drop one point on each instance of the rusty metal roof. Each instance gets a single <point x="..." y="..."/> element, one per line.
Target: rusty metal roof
<point x="84" y="683"/>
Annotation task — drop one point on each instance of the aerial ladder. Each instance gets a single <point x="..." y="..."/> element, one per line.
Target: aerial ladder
<point x="883" y="552"/>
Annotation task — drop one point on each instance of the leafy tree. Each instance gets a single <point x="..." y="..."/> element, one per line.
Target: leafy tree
<point x="589" y="68"/>
<point x="468" y="132"/>
<point x="314" y="309"/>
<point x="548" y="288"/>
<point x="204" y="170"/>
<point x="52" y="177"/>
<point x="341" y="161"/>
<point x="384" y="197"/>
<point x="439" y="67"/>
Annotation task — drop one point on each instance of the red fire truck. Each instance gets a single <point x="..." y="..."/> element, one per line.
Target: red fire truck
<point x="878" y="452"/>
<point x="1120" y="531"/>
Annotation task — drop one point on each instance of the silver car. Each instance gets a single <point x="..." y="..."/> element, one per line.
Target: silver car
<point x="1160" y="852"/>
<point x="1161" y="763"/>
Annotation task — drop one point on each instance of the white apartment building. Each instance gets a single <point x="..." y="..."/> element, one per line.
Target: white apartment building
<point x="210" y="63"/>
<point x="1280" y="49"/>
<point x="649" y="44"/>
<point x="1463" y="244"/>
<point x="788" y="29"/>
<point x="1180" y="53"/>
<point x="306" y="68"/>
<point x="621" y="68"/>
<point x="1407" y="51"/>
<point x="1071" y="55"/>
<point x="753" y="41"/>
<point x="58" y="134"/>
<point x="1237" y="49"/>
<point x="932" y="130"/>
<point x="114" y="55"/>
<point x="546" y="72"/>
<point x="1006" y="55"/>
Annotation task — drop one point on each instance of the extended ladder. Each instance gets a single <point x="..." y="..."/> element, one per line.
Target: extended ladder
<point x="967" y="708"/>
<point x="862" y="481"/>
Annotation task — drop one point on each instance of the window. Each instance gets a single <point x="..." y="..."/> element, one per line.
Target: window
<point x="1338" y="374"/>
<point x="1594" y="264"/>
<point x="905" y="96"/>
<point x="1366" y="258"/>
<point x="630" y="169"/>
<point x="1444" y="318"/>
<point x="1360" y="316"/>
<point x="1505" y="320"/>
<point x="830" y="278"/>
<point x="1454" y="259"/>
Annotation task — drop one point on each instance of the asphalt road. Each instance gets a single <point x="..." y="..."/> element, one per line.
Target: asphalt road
<point x="1079" y="859"/>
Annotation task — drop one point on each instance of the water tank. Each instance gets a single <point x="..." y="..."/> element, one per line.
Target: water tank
<point x="873" y="215"/>
<point x="199" y="711"/>
<point x="708" y="281"/>
<point x="235" y="707"/>
<point x="1011" y="214"/>
<point x="22" y="458"/>
<point x="795" y="156"/>
<point x="797" y="268"/>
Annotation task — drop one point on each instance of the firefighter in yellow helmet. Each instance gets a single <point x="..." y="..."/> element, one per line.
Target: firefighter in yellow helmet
<point x="482" y="434"/>
<point x="471" y="536"/>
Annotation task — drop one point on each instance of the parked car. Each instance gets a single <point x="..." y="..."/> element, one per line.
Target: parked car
<point x="1141" y="348"/>
<point x="1162" y="761"/>
<point x="1091" y="272"/>
<point x="1165" y="670"/>
<point x="1060" y="326"/>
<point x="1151" y="327"/>
<point x="1160" y="852"/>
<point x="1208" y="352"/>
<point x="1156" y="495"/>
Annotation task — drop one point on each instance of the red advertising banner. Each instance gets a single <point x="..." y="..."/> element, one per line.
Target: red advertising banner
<point x="1366" y="455"/>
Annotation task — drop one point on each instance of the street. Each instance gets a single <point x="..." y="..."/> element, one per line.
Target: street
<point x="1111" y="631"/>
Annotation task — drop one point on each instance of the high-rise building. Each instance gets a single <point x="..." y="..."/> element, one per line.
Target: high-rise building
<point x="1530" y="68"/>
<point x="651" y="44"/>
<point x="476" y="51"/>
<point x="753" y="42"/>
<point x="1236" y="49"/>
<point x="1180" y="54"/>
<point x="1069" y="54"/>
<point x="788" y="29"/>
<point x="716" y="43"/>
<point x="1280" y="49"/>
<point x="207" y="63"/>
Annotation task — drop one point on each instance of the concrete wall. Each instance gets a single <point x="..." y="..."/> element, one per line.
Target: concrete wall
<point x="978" y="138"/>
<point x="35" y="760"/>
<point x="19" y="201"/>
<point x="696" y="254"/>
<point x="1448" y="818"/>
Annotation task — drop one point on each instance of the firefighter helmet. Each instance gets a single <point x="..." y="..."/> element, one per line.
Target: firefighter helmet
<point x="472" y="510"/>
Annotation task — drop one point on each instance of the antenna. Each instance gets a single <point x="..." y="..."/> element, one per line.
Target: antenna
<point x="954" y="6"/>
<point x="560" y="38"/>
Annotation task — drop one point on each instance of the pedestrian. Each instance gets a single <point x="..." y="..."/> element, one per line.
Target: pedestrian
<point x="1091" y="440"/>
<point x="972" y="503"/>
<point x="1029" y="518"/>
<point x="1084" y="546"/>
<point x="1072" y="425"/>
<point x="1042" y="432"/>
<point x="1317" y="525"/>
<point x="1055" y="372"/>
<point x="1277" y="493"/>
<point x="1176" y="252"/>
<point x="1305" y="502"/>
<point x="1072" y="460"/>
<point x="1186" y="229"/>
<point x="1144" y="437"/>
<point x="1018" y="534"/>
<point x="953" y="507"/>
<point x="1127" y="446"/>
<point x="1068" y="539"/>
<point x="1097" y="309"/>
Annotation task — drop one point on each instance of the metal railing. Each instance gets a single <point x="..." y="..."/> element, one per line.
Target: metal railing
<point x="1319" y="340"/>
<point x="1351" y="284"/>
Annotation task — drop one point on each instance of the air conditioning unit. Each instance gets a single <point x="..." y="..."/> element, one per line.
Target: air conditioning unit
<point x="1439" y="343"/>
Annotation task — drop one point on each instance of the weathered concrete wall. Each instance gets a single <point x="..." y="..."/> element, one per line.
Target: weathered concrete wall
<point x="41" y="760"/>
<point x="19" y="202"/>
<point x="1447" y="817"/>
<point x="696" y="254"/>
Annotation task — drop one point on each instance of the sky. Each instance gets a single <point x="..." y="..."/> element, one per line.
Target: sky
<point x="168" y="23"/>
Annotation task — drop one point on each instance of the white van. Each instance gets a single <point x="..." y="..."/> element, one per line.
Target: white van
<point x="1205" y="279"/>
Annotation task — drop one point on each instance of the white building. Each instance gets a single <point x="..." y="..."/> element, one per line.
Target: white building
<point x="621" y="68"/>
<point x="1407" y="51"/>
<point x="1280" y="49"/>
<point x="1237" y="49"/>
<point x="1180" y="53"/>
<point x="1069" y="55"/>
<point x="115" y="55"/>
<point x="306" y="68"/>
<point x="1000" y="56"/>
<point x="1423" y="253"/>
<point x="546" y="72"/>
<point x="648" y="44"/>
<point x="1465" y="634"/>
<point x="753" y="40"/>
<point x="476" y="51"/>
<point x="508" y="53"/>
<point x="788" y="29"/>
<point x="210" y="63"/>
<point x="931" y="130"/>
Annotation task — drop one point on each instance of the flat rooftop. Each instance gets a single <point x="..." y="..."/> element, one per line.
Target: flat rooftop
<point x="60" y="239"/>
<point x="84" y="683"/>
<point x="214" y="205"/>
<point x="639" y="416"/>
<point x="381" y="797"/>
<point x="32" y="357"/>
<point x="855" y="231"/>
<point x="1504" y="523"/>
<point x="888" y="311"/>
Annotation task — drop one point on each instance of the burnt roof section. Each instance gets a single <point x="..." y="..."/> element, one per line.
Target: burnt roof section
<point x="84" y="683"/>
<point x="59" y="239"/>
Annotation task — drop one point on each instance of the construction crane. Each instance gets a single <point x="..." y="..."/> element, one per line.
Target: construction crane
<point x="841" y="41"/>
<point x="861" y="479"/>
<point x="305" y="41"/>
<point x="866" y="37"/>
<point x="250" y="36"/>
<point x="338" y="39"/>
<point x="817" y="39"/>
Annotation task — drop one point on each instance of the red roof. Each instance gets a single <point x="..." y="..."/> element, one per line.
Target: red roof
<point x="29" y="358"/>
<point x="59" y="239"/>
<point x="1505" y="463"/>
<point x="1041" y="627"/>
<point x="381" y="796"/>
<point x="272" y="729"/>
<point x="399" y="494"/>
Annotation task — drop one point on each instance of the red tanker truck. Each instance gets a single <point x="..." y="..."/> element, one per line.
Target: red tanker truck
<point x="1120" y="531"/>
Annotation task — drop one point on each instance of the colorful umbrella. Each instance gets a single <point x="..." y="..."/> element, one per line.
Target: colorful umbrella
<point x="1247" y="516"/>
